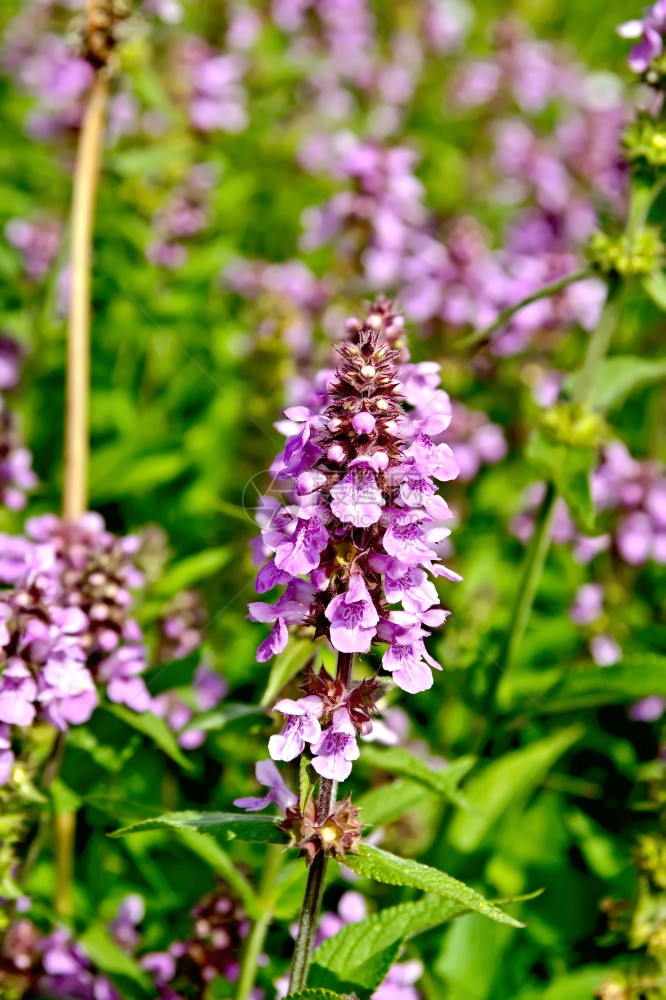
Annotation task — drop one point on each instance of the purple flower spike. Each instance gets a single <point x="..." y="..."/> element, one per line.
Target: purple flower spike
<point x="278" y="794"/>
<point x="335" y="751"/>
<point x="361" y="530"/>
<point x="302" y="727"/>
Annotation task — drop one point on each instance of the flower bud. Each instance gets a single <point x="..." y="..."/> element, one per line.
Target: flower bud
<point x="363" y="423"/>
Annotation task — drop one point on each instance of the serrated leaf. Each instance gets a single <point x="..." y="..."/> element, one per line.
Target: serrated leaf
<point x="255" y="828"/>
<point x="154" y="728"/>
<point x="504" y="783"/>
<point x="358" y="954"/>
<point x="619" y="376"/>
<point x="218" y="718"/>
<point x="285" y="666"/>
<point x="569" y="467"/>
<point x="374" y="863"/>
<point x="401" y="762"/>
<point x="636" y="677"/>
<point x="315" y="994"/>
<point x="116" y="963"/>
<point x="193" y="570"/>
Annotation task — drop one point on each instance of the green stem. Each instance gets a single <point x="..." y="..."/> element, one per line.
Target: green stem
<point x="529" y="581"/>
<point x="317" y="872"/>
<point x="599" y="344"/>
<point x="507" y="314"/>
<point x="257" y="936"/>
<point x="537" y="552"/>
<point x="308" y="923"/>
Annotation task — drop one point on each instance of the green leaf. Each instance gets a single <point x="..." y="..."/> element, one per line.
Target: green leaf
<point x="377" y="807"/>
<point x="636" y="677"/>
<point x="579" y="985"/>
<point x="360" y="954"/>
<point x="209" y="850"/>
<point x="507" y="782"/>
<point x="401" y="762"/>
<point x="192" y="570"/>
<point x="619" y="376"/>
<point x="154" y="728"/>
<point x="218" y="718"/>
<point x="376" y="864"/>
<point x="285" y="666"/>
<point x="110" y="758"/>
<point x="256" y="828"/>
<point x="315" y="994"/>
<point x="307" y="779"/>
<point x="116" y="963"/>
<point x="655" y="286"/>
<point x="568" y="466"/>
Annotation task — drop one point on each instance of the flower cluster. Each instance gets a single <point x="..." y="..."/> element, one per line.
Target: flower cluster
<point x="211" y="952"/>
<point x="67" y="630"/>
<point x="38" y="243"/>
<point x="48" y="69"/>
<point x="287" y="296"/>
<point x="648" y="32"/>
<point x="65" y="624"/>
<point x="56" y="966"/>
<point x="16" y="474"/>
<point x="587" y="610"/>
<point x="379" y="222"/>
<point x="53" y="965"/>
<point x="213" y="82"/>
<point x="180" y="626"/>
<point x="558" y="176"/>
<point x="630" y="500"/>
<point x="360" y="536"/>
<point x="185" y="214"/>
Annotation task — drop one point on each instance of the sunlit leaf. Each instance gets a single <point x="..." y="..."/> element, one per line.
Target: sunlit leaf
<point x="374" y="863"/>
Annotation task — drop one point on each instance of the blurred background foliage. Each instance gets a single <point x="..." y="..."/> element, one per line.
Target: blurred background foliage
<point x="184" y="398"/>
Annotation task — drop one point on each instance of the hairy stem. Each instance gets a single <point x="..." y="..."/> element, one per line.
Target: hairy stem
<point x="486" y="333"/>
<point x="86" y="176"/>
<point x="257" y="936"/>
<point x="317" y="872"/>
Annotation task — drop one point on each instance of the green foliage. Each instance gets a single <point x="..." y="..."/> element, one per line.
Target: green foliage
<point x="360" y="954"/>
<point x="636" y="677"/>
<point x="372" y="862"/>
<point x="399" y="761"/>
<point x="154" y="728"/>
<point x="314" y="994"/>
<point x="509" y="780"/>
<point x="568" y="466"/>
<point x="223" y="826"/>
<point x="620" y="376"/>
